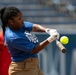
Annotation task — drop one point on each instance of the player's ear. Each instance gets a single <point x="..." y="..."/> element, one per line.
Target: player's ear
<point x="10" y="22"/>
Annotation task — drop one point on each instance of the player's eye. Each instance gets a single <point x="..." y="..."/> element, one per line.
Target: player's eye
<point x="19" y="19"/>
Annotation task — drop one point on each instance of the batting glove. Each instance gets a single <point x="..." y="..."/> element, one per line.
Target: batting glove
<point x="53" y="37"/>
<point x="50" y="31"/>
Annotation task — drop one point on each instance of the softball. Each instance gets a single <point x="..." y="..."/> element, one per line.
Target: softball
<point x="64" y="40"/>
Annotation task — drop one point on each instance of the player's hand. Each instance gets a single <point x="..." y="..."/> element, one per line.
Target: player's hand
<point x="53" y="37"/>
<point x="50" y="31"/>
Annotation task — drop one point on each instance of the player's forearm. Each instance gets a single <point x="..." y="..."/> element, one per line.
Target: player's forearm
<point x="40" y="46"/>
<point x="38" y="28"/>
<point x="43" y="44"/>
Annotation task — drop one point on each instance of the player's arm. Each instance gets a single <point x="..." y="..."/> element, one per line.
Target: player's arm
<point x="38" y="28"/>
<point x="44" y="43"/>
<point x="40" y="46"/>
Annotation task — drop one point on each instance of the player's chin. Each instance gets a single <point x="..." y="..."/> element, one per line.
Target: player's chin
<point x="20" y="26"/>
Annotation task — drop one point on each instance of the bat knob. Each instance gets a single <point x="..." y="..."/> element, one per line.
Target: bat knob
<point x="64" y="51"/>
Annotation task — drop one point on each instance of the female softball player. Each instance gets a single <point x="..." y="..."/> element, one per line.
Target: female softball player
<point x="22" y="43"/>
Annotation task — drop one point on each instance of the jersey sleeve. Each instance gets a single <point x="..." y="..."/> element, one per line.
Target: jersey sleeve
<point x="28" y="26"/>
<point x="22" y="45"/>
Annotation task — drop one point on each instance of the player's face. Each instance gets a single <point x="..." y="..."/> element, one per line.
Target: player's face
<point x="17" y="22"/>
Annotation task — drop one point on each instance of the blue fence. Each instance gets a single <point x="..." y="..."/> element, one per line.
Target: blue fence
<point x="54" y="62"/>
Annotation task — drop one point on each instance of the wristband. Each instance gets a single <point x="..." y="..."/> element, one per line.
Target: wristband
<point x="50" y="39"/>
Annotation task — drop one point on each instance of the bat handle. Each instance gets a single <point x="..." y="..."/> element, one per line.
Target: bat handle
<point x="60" y="46"/>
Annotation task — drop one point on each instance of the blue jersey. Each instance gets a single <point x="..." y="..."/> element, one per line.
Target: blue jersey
<point x="21" y="43"/>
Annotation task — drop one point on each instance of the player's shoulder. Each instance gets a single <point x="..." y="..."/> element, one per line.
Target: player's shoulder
<point x="27" y="22"/>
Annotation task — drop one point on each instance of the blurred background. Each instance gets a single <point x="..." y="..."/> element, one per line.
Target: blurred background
<point x="58" y="14"/>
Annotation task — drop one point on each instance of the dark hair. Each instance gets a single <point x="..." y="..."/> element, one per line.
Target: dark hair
<point x="7" y="14"/>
